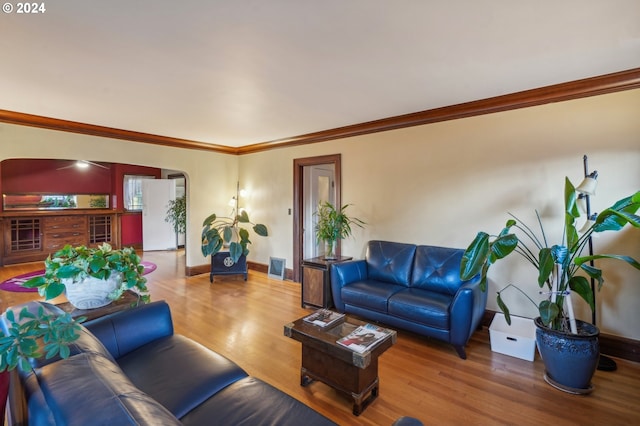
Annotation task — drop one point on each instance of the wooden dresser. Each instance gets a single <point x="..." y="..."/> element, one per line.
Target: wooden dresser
<point x="33" y="235"/>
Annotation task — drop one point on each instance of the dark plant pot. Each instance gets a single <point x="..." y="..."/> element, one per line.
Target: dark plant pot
<point x="570" y="360"/>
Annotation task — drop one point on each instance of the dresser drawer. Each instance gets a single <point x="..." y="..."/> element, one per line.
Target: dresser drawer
<point x="64" y="224"/>
<point x="54" y="241"/>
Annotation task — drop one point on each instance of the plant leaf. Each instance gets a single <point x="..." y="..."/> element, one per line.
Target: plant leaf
<point x="504" y="309"/>
<point x="243" y="217"/>
<point x="548" y="311"/>
<point x="235" y="251"/>
<point x="209" y="220"/>
<point x="581" y="286"/>
<point x="546" y="264"/>
<point x="475" y="256"/>
<point x="261" y="230"/>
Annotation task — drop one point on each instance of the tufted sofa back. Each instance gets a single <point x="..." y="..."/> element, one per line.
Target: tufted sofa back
<point x="437" y="269"/>
<point x="390" y="262"/>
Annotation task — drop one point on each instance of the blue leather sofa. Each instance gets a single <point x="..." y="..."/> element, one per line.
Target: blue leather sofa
<point x="416" y="288"/>
<point x="129" y="368"/>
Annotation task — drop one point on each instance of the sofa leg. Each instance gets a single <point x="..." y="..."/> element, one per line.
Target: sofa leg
<point x="461" y="353"/>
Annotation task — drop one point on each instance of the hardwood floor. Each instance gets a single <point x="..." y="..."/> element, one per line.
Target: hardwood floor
<point x="418" y="377"/>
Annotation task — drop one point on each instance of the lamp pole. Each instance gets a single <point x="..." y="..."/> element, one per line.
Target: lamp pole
<point x="604" y="363"/>
<point x="591" y="263"/>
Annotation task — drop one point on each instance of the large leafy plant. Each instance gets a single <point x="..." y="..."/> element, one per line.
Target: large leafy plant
<point x="562" y="268"/>
<point x="76" y="263"/>
<point x="177" y="214"/>
<point x="220" y="230"/>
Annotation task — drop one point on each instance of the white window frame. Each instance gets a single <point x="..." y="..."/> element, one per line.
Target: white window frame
<point x="132" y="191"/>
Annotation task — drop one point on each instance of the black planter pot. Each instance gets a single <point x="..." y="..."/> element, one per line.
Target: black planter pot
<point x="570" y="360"/>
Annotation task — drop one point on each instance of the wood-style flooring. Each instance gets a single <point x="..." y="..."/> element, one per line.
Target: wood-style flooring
<point x="419" y="377"/>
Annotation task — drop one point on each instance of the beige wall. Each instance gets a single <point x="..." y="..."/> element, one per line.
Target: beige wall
<point x="441" y="183"/>
<point x="435" y="184"/>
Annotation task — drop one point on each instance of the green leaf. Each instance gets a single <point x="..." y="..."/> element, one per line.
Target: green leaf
<point x="243" y="217"/>
<point x="504" y="309"/>
<point x="261" y="230"/>
<point x="35" y="282"/>
<point x="546" y="264"/>
<point x="227" y="233"/>
<point x="68" y="271"/>
<point x="98" y="263"/>
<point x="235" y="251"/>
<point x="54" y="290"/>
<point x="631" y="261"/>
<point x="571" y="207"/>
<point x="475" y="256"/>
<point x="503" y="246"/>
<point x="243" y="234"/>
<point x="581" y="286"/>
<point x="618" y="215"/>
<point x="209" y="220"/>
<point x="548" y="311"/>
<point x="594" y="273"/>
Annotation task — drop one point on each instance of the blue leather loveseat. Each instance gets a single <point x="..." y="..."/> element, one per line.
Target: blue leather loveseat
<point x="416" y="288"/>
<point x="129" y="368"/>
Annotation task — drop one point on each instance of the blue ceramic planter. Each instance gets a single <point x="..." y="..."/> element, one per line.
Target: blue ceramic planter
<point x="570" y="360"/>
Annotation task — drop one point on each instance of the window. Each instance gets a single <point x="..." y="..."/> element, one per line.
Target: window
<point x="133" y="191"/>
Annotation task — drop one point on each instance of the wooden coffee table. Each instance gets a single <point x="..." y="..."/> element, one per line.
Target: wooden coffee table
<point x="351" y="373"/>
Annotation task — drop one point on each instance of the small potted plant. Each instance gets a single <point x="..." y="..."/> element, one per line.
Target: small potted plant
<point x="91" y="277"/>
<point x="562" y="271"/>
<point x="333" y="225"/>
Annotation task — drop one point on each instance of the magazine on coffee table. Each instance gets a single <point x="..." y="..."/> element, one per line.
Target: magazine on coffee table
<point x="364" y="337"/>
<point x="324" y="318"/>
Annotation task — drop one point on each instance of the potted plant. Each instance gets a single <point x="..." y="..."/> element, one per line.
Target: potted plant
<point x="91" y="277"/>
<point x="561" y="272"/>
<point x="333" y="225"/>
<point x="177" y="214"/>
<point x="219" y="231"/>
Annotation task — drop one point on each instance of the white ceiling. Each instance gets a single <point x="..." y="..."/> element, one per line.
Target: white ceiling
<point x="239" y="72"/>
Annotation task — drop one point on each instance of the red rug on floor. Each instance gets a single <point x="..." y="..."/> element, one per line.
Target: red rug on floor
<point x="15" y="283"/>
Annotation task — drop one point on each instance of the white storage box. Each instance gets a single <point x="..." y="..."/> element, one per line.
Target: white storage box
<point x="517" y="339"/>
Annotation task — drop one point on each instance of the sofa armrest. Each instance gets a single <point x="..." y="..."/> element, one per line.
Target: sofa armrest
<point x="467" y="309"/>
<point x="344" y="273"/>
<point x="126" y="331"/>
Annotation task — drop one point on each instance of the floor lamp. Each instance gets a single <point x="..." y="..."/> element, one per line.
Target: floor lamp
<point x="586" y="189"/>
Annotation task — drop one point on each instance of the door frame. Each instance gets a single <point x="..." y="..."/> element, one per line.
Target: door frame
<point x="298" y="203"/>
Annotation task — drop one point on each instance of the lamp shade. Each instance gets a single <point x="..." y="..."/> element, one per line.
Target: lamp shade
<point x="582" y="203"/>
<point x="588" y="223"/>
<point x="589" y="184"/>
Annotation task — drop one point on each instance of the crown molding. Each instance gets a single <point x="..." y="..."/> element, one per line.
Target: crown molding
<point x="593" y="86"/>
<point x="23" y="119"/>
<point x="609" y="83"/>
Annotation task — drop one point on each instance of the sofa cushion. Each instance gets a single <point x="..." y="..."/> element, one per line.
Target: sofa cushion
<point x="370" y="294"/>
<point x="125" y="331"/>
<point x="390" y="262"/>
<point x="422" y="306"/>
<point x="251" y="401"/>
<point x="437" y="269"/>
<point x="90" y="389"/>
<point x="179" y="372"/>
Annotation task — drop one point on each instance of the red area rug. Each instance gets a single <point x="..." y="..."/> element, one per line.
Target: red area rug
<point x="15" y="283"/>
